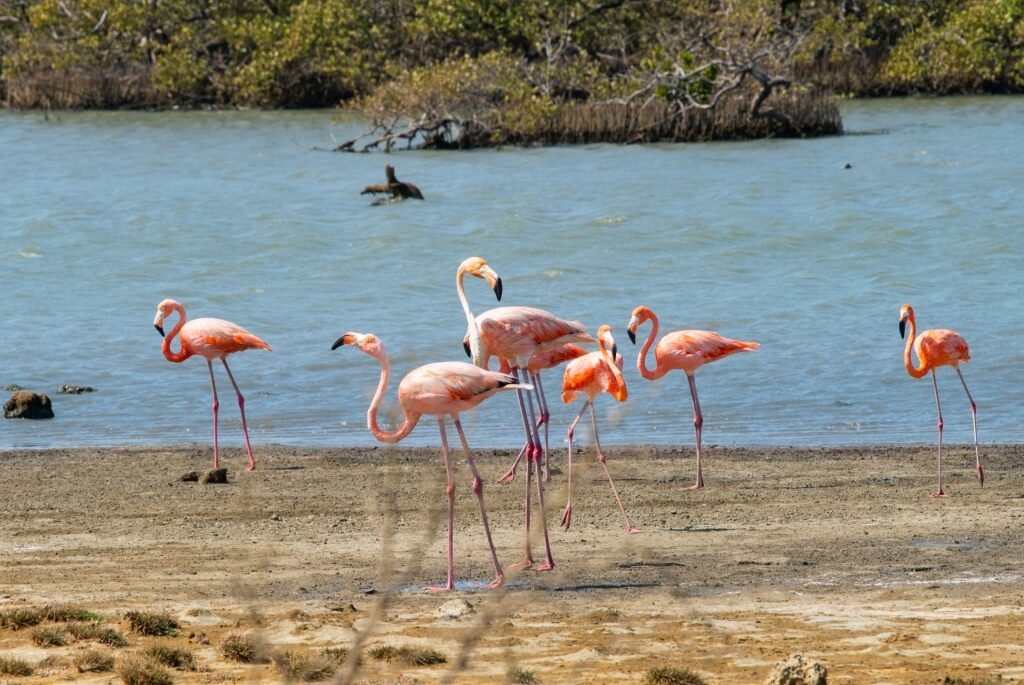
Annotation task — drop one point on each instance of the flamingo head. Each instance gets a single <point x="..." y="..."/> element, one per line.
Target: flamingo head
<point x="367" y="342"/>
<point x="476" y="266"/>
<point x="163" y="310"/>
<point x="906" y="312"/>
<point x="640" y="314"/>
<point x="604" y="334"/>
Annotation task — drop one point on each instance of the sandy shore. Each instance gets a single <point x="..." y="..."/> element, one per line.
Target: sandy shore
<point x="836" y="553"/>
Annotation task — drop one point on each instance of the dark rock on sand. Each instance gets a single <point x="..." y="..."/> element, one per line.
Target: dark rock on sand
<point x="25" y="404"/>
<point x="75" y="389"/>
<point x="217" y="476"/>
<point x="190" y="477"/>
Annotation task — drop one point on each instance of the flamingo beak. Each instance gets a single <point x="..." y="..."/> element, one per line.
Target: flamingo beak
<point x="615" y="350"/>
<point x="632" y="335"/>
<point x="631" y="329"/>
<point x="467" y="348"/>
<point x="497" y="288"/>
<point x="346" y="339"/>
<point x="903" y="328"/>
<point x="160" y="330"/>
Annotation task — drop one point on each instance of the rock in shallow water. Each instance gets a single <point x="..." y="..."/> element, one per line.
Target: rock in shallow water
<point x="68" y="389"/>
<point x="25" y="404"/>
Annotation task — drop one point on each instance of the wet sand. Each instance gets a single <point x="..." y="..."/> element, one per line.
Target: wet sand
<point x="836" y="553"/>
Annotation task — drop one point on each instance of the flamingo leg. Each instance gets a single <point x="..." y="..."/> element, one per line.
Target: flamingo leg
<point x="974" y="424"/>
<point x="567" y="514"/>
<point x="938" y="407"/>
<point x="216" y="406"/>
<point x="478" y="489"/>
<point x="450" y="489"/>
<point x="698" y="424"/>
<point x="527" y="561"/>
<point x="545" y="419"/>
<point x="510" y="475"/>
<point x="630" y="528"/>
<point x="549" y="561"/>
<point x="241" y="409"/>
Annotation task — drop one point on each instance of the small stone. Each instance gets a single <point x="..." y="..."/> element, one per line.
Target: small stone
<point x="75" y="389"/>
<point x="217" y="476"/>
<point x="190" y="477"/>
<point x="798" y="670"/>
<point x="275" y="517"/>
<point x="25" y="404"/>
<point x="455" y="608"/>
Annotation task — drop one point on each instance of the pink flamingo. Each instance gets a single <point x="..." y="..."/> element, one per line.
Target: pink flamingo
<point x="210" y="339"/>
<point x="514" y="334"/>
<point x="591" y="375"/>
<point x="939" y="347"/>
<point x="685" y="350"/>
<point x="538" y="362"/>
<point x="439" y="389"/>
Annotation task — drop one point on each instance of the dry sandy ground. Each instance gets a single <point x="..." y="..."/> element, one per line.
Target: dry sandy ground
<point x="836" y="553"/>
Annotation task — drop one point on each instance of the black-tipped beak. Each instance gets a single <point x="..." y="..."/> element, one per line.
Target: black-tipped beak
<point x="632" y="336"/>
<point x="159" y="329"/>
<point x="338" y="343"/>
<point x="467" y="348"/>
<point x="903" y="328"/>
<point x="615" y="351"/>
<point x="497" y="288"/>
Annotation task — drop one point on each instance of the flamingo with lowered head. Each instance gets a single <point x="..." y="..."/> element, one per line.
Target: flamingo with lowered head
<point x="591" y="375"/>
<point x="514" y="334"/>
<point x="210" y="339"/>
<point x="935" y="348"/>
<point x="439" y="389"/>
<point x="686" y="351"/>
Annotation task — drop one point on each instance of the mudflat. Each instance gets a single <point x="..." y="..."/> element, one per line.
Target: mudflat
<point x="838" y="554"/>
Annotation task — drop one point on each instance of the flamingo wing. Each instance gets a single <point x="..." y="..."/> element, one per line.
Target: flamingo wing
<point x="942" y="346"/>
<point x="690" y="349"/>
<point x="214" y="338"/>
<point x="445" y="387"/>
<point x="516" y="332"/>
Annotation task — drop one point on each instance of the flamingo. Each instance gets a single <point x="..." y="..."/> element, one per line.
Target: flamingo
<point x="514" y="334"/>
<point x="210" y="339"/>
<point x="538" y="362"/>
<point x="685" y="350"/>
<point x="934" y="348"/>
<point x="591" y="375"/>
<point x="440" y="389"/>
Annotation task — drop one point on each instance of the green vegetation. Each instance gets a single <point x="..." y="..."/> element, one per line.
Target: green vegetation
<point x="463" y="73"/>
<point x="304" y="667"/>
<point x="50" y="636"/>
<point x="63" y="613"/>
<point x="94" y="661"/>
<point x="245" y="649"/>
<point x="92" y="631"/>
<point x="174" y="657"/>
<point x="136" y="670"/>
<point x="152" y="623"/>
<point x="22" y="617"/>
<point x="671" y="676"/>
<point x="410" y="656"/>
<point x="14" y="666"/>
<point x="521" y="676"/>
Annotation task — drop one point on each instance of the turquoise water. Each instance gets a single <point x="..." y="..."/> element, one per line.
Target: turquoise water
<point x="102" y="215"/>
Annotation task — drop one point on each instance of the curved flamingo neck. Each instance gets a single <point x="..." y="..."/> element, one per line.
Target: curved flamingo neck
<point x="641" y="360"/>
<point x="619" y="391"/>
<point x="475" y="343"/>
<point x="171" y="355"/>
<point x="922" y="368"/>
<point x="408" y="422"/>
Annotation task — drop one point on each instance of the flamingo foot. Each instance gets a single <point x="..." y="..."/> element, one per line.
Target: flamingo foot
<point x="545" y="474"/>
<point x="939" y="493"/>
<point x="522" y="565"/>
<point x="439" y="588"/>
<point x="497" y="582"/>
<point x="251" y="467"/>
<point x="509" y="476"/>
<point x="696" y="486"/>
<point x="567" y="516"/>
<point x="632" y="530"/>
<point x="546" y="566"/>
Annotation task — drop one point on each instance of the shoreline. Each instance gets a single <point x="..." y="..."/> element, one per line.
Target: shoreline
<point x="850" y="562"/>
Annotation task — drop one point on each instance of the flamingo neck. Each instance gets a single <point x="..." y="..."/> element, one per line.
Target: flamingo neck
<point x="475" y="343"/>
<point x="408" y="422"/>
<point x="169" y="354"/>
<point x="915" y="371"/>
<point x="641" y="360"/>
<point x="618" y="391"/>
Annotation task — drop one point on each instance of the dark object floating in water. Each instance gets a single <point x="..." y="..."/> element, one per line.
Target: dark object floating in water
<point x="217" y="476"/>
<point x="399" y="190"/>
<point x="13" y="387"/>
<point x="25" y="404"/>
<point x="75" y="389"/>
<point x="848" y="166"/>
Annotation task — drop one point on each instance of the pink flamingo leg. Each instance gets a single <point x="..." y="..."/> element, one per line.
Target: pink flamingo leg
<point x="545" y="419"/>
<point x="938" y="407"/>
<point x="216" y="406"/>
<point x="478" y="489"/>
<point x="241" y="409"/>
<point x="510" y="475"/>
<point x="601" y="458"/>
<point x="549" y="562"/>
<point x="527" y="561"/>
<point x="974" y="423"/>
<point x="451" y="510"/>
<point x="567" y="514"/>
<point x="698" y="424"/>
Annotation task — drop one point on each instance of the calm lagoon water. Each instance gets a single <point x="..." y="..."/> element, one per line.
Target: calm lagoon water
<point x="104" y="214"/>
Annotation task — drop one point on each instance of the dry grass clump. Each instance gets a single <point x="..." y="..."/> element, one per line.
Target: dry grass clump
<point x="410" y="656"/>
<point x="984" y="680"/>
<point x="521" y="676"/>
<point x="14" y="666"/>
<point x="63" y="613"/>
<point x="152" y="623"/>
<point x="336" y="654"/>
<point x="94" y="661"/>
<point x="175" y="657"/>
<point x="304" y="667"/>
<point x="50" y="636"/>
<point x="91" y="631"/>
<point x="136" y="670"/>
<point x="245" y="649"/>
<point x="21" y="617"/>
<point x="671" y="676"/>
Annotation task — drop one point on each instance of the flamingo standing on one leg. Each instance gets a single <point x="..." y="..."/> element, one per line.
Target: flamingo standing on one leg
<point x="538" y="362"/>
<point x="593" y="374"/>
<point x="685" y="350"/>
<point x="514" y="334"/>
<point x="210" y="339"/>
<point x="439" y="389"/>
<point x="939" y="347"/>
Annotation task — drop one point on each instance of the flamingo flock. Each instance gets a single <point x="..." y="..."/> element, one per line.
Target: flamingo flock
<point x="527" y="341"/>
